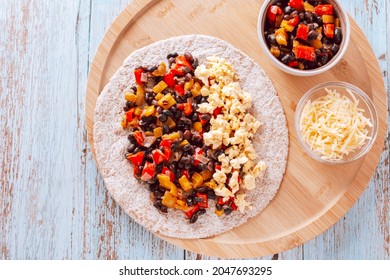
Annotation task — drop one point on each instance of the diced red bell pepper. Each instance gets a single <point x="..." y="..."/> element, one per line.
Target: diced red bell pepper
<point x="234" y="206"/>
<point x="218" y="167"/>
<point x="185" y="172"/>
<point x="187" y="109"/>
<point x="177" y="71"/>
<point x="204" y="203"/>
<point x="296" y="4"/>
<point x="293" y="63"/>
<point x="302" y="31"/>
<point x="305" y="52"/>
<point x="169" y="79"/>
<point x="181" y="61"/>
<point x="168" y="172"/>
<point x="137" y="75"/>
<point x="148" y="171"/>
<point x="294" y="21"/>
<point x="166" y="144"/>
<point x="139" y="137"/>
<point x="272" y="12"/>
<point x="217" y="111"/>
<point x="221" y="202"/>
<point x="158" y="156"/>
<point x="192" y="211"/>
<point x="324" y="9"/>
<point x="136" y="170"/>
<point x="130" y="115"/>
<point x="136" y="159"/>
<point x="179" y="90"/>
<point x="198" y="151"/>
<point x="329" y="30"/>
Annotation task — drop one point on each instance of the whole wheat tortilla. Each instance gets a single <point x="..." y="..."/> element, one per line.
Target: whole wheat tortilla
<point x="110" y="140"/>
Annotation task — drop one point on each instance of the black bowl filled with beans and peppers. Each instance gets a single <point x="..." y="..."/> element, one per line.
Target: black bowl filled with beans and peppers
<point x="304" y="36"/>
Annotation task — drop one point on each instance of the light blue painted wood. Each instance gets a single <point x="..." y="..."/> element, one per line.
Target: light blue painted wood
<point x="53" y="204"/>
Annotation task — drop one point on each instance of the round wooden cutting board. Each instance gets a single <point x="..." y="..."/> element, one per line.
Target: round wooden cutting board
<point x="312" y="196"/>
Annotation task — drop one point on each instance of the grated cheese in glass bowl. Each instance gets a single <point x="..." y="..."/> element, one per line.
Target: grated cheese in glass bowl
<point x="336" y="123"/>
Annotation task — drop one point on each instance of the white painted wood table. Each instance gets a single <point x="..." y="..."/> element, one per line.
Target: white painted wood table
<point x="53" y="204"/>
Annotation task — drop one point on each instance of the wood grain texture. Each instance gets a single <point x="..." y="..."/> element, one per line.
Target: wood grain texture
<point x="53" y="204"/>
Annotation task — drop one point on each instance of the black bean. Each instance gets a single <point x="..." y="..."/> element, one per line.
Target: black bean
<point x="202" y="189"/>
<point x="201" y="211"/>
<point x="211" y="194"/>
<point x="153" y="187"/>
<point x="158" y="194"/>
<point x="187" y="94"/>
<point x="151" y="69"/>
<point x="195" y="63"/>
<point x="302" y="16"/>
<point x="134" y="89"/>
<point x="125" y="109"/>
<point x="188" y="77"/>
<point x="139" y="149"/>
<point x="210" y="165"/>
<point x="308" y="17"/>
<point x="335" y="48"/>
<point x="288" y="10"/>
<point x="162" y="118"/>
<point x="171" y="60"/>
<point x="199" y="199"/>
<point x="204" y="99"/>
<point x="187" y="147"/>
<point x="173" y="55"/>
<point x="189" y="57"/>
<point x="187" y="134"/>
<point x="218" y="206"/>
<point x="337" y="35"/>
<point x="203" y="166"/>
<point x="131" y="138"/>
<point x="286" y="59"/>
<point x="196" y="137"/>
<point x="294" y="14"/>
<point x="218" y="153"/>
<point x="206" y="117"/>
<point x="198" y="99"/>
<point x="186" y="69"/>
<point x="312" y="35"/>
<point x="190" y="200"/>
<point x="194" y="218"/>
<point x="271" y="39"/>
<point x="164" y="209"/>
<point x="165" y="129"/>
<point x="185" y="120"/>
<point x="286" y="17"/>
<point x="158" y="204"/>
<point x="131" y="148"/>
<point x="228" y="210"/>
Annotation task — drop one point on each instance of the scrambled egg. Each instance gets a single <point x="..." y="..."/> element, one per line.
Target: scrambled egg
<point x="235" y="127"/>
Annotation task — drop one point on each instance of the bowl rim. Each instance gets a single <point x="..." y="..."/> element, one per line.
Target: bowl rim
<point x="297" y="72"/>
<point x="362" y="96"/>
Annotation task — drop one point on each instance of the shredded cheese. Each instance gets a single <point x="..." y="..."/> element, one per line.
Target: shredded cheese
<point x="333" y="125"/>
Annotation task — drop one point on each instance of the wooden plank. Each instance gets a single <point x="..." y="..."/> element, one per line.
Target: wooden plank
<point x="39" y="107"/>
<point x="363" y="233"/>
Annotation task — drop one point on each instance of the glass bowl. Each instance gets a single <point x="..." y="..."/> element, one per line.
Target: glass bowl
<point x="345" y="28"/>
<point x="365" y="103"/>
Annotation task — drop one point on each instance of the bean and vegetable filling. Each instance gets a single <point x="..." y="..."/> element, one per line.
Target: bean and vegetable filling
<point x="303" y="34"/>
<point x="166" y="142"/>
